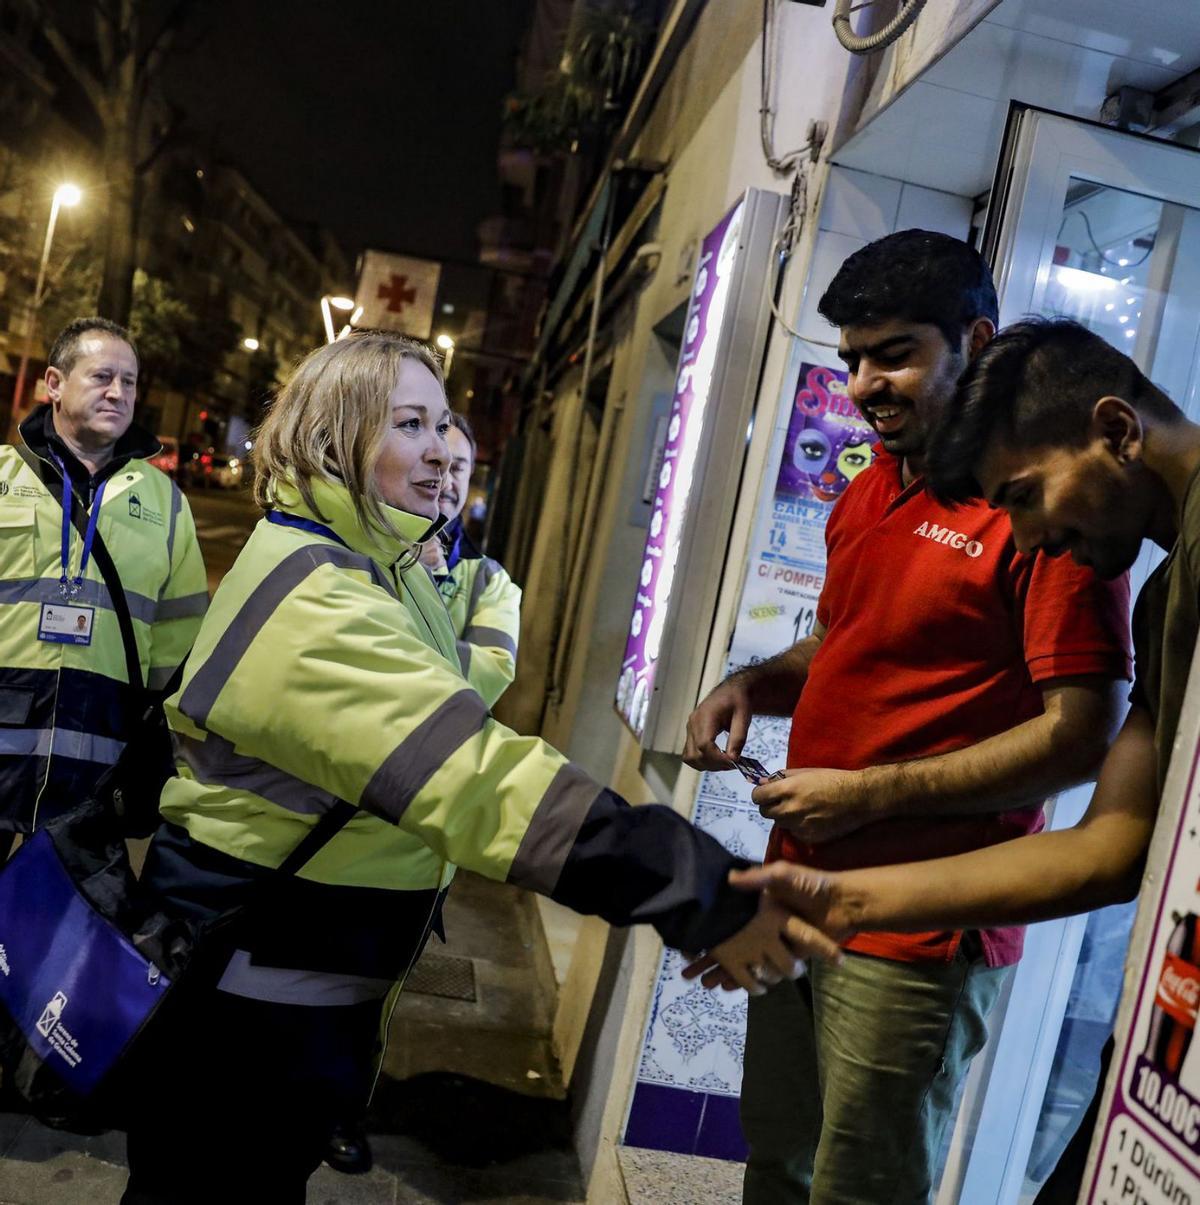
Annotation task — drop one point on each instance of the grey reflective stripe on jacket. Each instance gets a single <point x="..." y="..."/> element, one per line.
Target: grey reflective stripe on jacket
<point x="44" y="590"/>
<point x="553" y="829"/>
<point x="215" y="762"/>
<point x="490" y="638"/>
<point x="483" y="575"/>
<point x="201" y="692"/>
<point x="310" y="989"/>
<point x="63" y="742"/>
<point x="417" y="758"/>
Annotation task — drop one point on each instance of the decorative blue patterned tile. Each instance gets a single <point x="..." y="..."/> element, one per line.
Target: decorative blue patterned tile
<point x="695" y="1037"/>
<point x="743" y="832"/>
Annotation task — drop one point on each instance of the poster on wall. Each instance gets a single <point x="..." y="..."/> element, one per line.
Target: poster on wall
<point x="827" y="444"/>
<point x="685" y="423"/>
<point x="1147" y="1146"/>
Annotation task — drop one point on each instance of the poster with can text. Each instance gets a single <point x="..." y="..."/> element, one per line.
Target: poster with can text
<point x="826" y="445"/>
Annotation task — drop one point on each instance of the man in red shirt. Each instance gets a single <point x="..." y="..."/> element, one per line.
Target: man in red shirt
<point x="951" y="685"/>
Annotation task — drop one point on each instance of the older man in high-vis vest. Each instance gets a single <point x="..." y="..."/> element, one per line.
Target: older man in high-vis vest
<point x="67" y="705"/>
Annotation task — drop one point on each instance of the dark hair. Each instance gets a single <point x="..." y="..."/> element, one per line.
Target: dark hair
<point x="917" y="275"/>
<point x="460" y="421"/>
<point x="65" y="349"/>
<point x="1035" y="385"/>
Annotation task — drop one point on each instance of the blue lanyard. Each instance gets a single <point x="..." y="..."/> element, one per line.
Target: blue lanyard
<point x="283" y="519"/>
<point x="68" y="587"/>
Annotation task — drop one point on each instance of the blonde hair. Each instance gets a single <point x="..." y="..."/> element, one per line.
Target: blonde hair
<point x="329" y="421"/>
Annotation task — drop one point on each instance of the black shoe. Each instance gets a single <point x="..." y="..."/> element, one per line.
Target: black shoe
<point x="348" y="1149"/>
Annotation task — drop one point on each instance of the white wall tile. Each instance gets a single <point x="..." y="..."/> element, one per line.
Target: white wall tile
<point x="931" y="210"/>
<point x="860" y="205"/>
<point x="828" y="255"/>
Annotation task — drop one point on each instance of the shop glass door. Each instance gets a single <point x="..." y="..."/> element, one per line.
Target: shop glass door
<point x="1103" y="227"/>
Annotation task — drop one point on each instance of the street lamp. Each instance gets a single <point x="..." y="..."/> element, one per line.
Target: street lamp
<point x="67" y="195"/>
<point x="345" y="304"/>
<point x="250" y="344"/>
<point x="446" y="346"/>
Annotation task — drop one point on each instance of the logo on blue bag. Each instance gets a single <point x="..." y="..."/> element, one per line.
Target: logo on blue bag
<point x="51" y="1015"/>
<point x="50" y="1026"/>
<point x="4" y="967"/>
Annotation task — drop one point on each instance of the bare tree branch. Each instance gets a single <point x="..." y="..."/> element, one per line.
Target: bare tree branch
<point x="151" y="58"/>
<point x="174" y="124"/>
<point x="102" y="19"/>
<point x="84" y="76"/>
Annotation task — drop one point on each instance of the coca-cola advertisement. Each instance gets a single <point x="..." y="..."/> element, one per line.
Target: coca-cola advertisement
<point x="1173" y="1019"/>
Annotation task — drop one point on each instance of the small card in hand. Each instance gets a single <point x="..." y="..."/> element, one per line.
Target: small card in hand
<point x="752" y="770"/>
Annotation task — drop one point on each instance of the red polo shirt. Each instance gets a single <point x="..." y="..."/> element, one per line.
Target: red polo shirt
<point x="938" y="635"/>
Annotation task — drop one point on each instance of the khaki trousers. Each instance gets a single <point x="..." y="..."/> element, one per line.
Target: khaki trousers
<point x="851" y="1076"/>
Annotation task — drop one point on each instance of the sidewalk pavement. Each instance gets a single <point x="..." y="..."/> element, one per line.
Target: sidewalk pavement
<point x="437" y="1139"/>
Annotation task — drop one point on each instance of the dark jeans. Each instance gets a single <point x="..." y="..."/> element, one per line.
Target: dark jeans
<point x="236" y="1098"/>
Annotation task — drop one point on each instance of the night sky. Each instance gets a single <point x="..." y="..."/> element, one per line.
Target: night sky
<point x="376" y="118"/>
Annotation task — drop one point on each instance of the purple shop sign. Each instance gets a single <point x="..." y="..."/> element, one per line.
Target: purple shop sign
<point x="697" y="359"/>
<point x="828" y="441"/>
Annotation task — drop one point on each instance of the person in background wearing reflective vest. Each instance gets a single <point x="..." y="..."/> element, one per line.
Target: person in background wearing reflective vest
<point x="484" y="605"/>
<point x="325" y="685"/>
<point x="483" y="601"/>
<point x="66" y="706"/>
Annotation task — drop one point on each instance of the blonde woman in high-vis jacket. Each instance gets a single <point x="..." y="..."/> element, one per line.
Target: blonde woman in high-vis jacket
<point x="324" y="694"/>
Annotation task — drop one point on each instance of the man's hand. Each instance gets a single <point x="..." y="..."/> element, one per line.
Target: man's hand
<point x="725" y="709"/>
<point x="819" y="805"/>
<point x="768" y="950"/>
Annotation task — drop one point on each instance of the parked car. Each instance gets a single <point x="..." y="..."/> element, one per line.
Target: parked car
<point x="209" y="469"/>
<point x="226" y="472"/>
<point x="168" y="459"/>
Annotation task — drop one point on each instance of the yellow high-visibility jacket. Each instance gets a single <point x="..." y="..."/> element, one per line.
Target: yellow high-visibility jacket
<point x="67" y="710"/>
<point x="484" y="604"/>
<point x="326" y="671"/>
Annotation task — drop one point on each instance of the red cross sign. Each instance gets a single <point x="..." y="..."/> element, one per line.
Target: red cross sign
<point x="397" y="293"/>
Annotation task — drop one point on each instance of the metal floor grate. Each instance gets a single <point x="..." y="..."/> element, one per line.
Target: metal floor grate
<point x="443" y="975"/>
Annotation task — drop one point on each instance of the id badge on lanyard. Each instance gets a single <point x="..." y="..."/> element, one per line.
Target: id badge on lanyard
<point x="66" y="622"/>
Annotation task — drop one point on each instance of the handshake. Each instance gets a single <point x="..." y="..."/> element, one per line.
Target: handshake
<point x="800" y="915"/>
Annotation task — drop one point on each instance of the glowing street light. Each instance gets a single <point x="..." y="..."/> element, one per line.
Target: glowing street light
<point x="250" y="344"/>
<point x="328" y="305"/>
<point x="446" y="346"/>
<point x="68" y="196"/>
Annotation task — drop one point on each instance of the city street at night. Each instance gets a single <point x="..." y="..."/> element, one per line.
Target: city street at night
<point x="224" y="519"/>
<point x="710" y="711"/>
